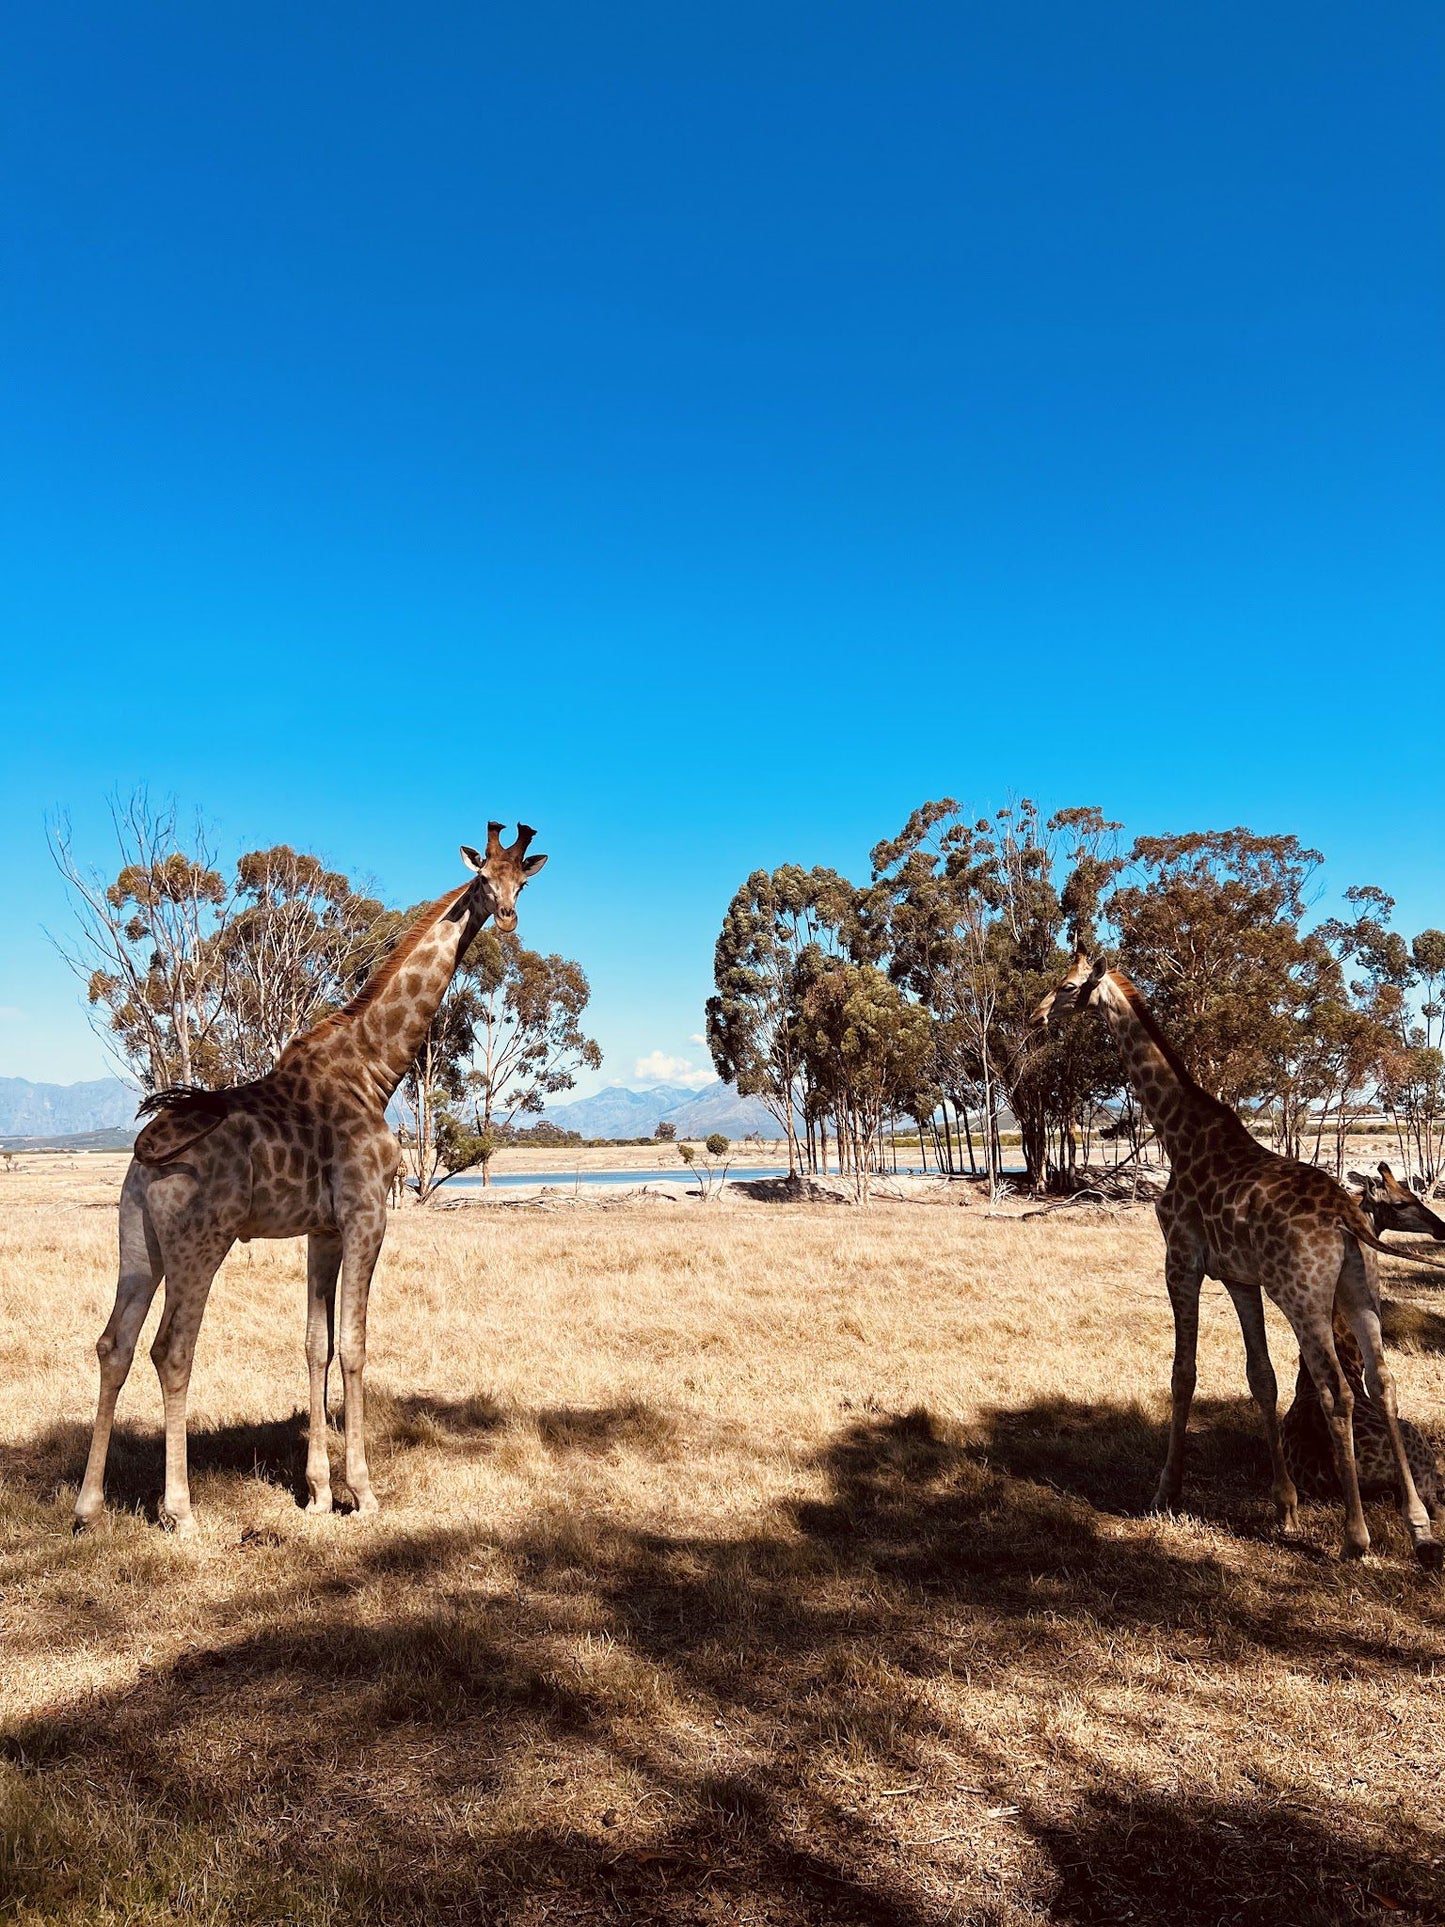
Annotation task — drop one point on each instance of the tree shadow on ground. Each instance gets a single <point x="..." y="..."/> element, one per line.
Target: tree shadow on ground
<point x="1110" y="1454"/>
<point x="1135" y="1855"/>
<point x="582" y="1720"/>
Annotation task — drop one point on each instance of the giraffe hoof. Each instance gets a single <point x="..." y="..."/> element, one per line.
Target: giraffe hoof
<point x="320" y="1502"/>
<point x="182" y="1528"/>
<point x="1351" y="1550"/>
<point x="95" y="1519"/>
<point x="1430" y="1555"/>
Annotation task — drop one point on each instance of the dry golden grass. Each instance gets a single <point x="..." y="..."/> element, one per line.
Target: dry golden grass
<point x="765" y="1564"/>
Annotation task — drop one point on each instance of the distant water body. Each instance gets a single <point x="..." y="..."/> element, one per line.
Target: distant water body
<point x="566" y="1180"/>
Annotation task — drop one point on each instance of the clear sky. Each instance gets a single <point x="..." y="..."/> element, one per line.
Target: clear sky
<point x="707" y="431"/>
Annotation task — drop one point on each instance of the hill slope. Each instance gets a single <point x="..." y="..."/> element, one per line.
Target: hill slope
<point x="63" y="1110"/>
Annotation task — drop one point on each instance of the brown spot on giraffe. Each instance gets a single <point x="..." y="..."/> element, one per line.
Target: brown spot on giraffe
<point x="1258" y="1222"/>
<point x="304" y="1151"/>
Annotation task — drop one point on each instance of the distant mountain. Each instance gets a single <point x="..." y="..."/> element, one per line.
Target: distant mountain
<point x="119" y="1137"/>
<point x="619" y="1113"/>
<point x="719" y="1108"/>
<point x="63" y="1110"/>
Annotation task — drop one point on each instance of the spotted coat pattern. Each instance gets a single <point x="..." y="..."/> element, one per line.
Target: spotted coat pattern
<point x="303" y="1152"/>
<point x="1236" y="1211"/>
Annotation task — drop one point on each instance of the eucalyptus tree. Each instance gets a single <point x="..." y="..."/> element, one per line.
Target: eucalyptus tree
<point x="527" y="1044"/>
<point x="1398" y="984"/>
<point x="974" y="910"/>
<point x="1209" y="923"/>
<point x="145" y="941"/>
<point x="751" y="1021"/>
<point x="866" y="1045"/>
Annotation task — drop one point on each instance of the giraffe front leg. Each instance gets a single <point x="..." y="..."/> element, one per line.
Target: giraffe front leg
<point x="1183" y="1275"/>
<point x="323" y="1263"/>
<point x="1249" y="1305"/>
<point x="361" y="1246"/>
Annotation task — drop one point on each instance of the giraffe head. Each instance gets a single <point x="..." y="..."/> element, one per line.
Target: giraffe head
<point x="1078" y="990"/>
<point x="503" y="872"/>
<point x="1392" y="1206"/>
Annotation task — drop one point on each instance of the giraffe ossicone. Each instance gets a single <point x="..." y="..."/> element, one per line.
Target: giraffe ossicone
<point x="303" y="1151"/>
<point x="1237" y="1211"/>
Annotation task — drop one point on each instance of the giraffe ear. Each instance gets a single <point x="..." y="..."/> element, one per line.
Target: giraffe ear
<point x="471" y="858"/>
<point x="532" y="865"/>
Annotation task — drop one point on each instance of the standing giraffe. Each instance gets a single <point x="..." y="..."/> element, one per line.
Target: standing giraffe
<point x="1235" y="1211"/>
<point x="305" y="1149"/>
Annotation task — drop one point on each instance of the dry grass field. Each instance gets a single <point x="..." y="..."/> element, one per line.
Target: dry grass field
<point x="754" y="1563"/>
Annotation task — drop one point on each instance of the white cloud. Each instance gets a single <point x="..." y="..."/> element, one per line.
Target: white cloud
<point x="697" y="1038"/>
<point x="658" y="1067"/>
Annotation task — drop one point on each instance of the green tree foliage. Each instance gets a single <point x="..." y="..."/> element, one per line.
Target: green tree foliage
<point x="526" y="1043"/>
<point x="865" y="1046"/>
<point x="972" y="914"/>
<point x="1209" y="927"/>
<point x="1398" y="990"/>
<point x="774" y="919"/>
<point x="299" y="942"/>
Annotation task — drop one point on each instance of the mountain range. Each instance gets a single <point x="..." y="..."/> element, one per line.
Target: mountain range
<point x="104" y="1108"/>
<point x="617" y="1112"/>
<point x="66" y="1110"/>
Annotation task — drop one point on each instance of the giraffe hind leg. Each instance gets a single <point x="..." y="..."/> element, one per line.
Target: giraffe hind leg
<point x="139" y="1274"/>
<point x="1317" y="1347"/>
<point x="1249" y="1306"/>
<point x="1359" y="1301"/>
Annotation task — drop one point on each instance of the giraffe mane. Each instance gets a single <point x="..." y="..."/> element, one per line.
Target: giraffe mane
<point x="1134" y="997"/>
<point x="406" y="944"/>
<point x="1150" y="1023"/>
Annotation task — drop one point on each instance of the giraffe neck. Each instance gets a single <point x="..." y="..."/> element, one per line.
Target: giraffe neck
<point x="377" y="1036"/>
<point x="1175" y="1105"/>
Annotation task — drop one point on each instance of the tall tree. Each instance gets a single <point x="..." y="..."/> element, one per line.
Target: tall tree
<point x="1399" y="988"/>
<point x="147" y="942"/>
<point x="527" y="1045"/>
<point x="865" y="1044"/>
<point x="751" y="1019"/>
<point x="1209" y="925"/>
<point x="300" y="941"/>
<point x="972" y="912"/>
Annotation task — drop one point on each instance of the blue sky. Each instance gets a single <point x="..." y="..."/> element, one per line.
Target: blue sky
<point x="706" y="433"/>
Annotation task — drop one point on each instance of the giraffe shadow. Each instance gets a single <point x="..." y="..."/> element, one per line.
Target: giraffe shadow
<point x="271" y="1450"/>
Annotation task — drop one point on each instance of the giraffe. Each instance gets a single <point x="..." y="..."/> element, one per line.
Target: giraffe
<point x="306" y="1149"/>
<point x="1258" y="1222"/>
<point x="1392" y="1206"/>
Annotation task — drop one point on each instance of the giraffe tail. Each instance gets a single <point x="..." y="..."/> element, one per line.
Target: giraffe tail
<point x="185" y="1113"/>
